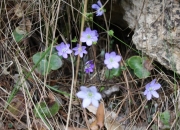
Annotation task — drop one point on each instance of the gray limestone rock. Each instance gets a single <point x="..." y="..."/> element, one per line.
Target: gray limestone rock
<point x="156" y="26"/>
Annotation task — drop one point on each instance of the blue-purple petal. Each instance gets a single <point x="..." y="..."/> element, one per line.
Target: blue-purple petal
<point x="156" y="86"/>
<point x="149" y="96"/>
<point x="84" y="88"/>
<point x="95" y="103"/>
<point x="155" y="94"/>
<point x="93" y="89"/>
<point x="97" y="96"/>
<point x="152" y="82"/>
<point x="95" y="6"/>
<point x="99" y="3"/>
<point x="81" y="94"/>
<point x="86" y="102"/>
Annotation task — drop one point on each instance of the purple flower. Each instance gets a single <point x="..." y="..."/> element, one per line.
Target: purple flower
<point x="151" y="89"/>
<point x="89" y="66"/>
<point x="63" y="49"/>
<point x="80" y="50"/>
<point x="89" y="95"/>
<point x="111" y="60"/>
<point x="89" y="36"/>
<point x="98" y="8"/>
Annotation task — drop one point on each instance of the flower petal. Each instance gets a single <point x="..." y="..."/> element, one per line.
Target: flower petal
<point x="95" y="103"/>
<point x="113" y="54"/>
<point x="75" y="48"/>
<point x="147" y="86"/>
<point x="81" y="94"/>
<point x="93" y="89"/>
<point x="115" y="65"/>
<point x="86" y="102"/>
<point x="95" y="6"/>
<point x="84" y="88"/>
<point x="145" y="92"/>
<point x="88" y="30"/>
<point x="107" y="56"/>
<point x="65" y="55"/>
<point x="149" y="96"/>
<point x="156" y="86"/>
<point x="97" y="96"/>
<point x="69" y="51"/>
<point x="83" y="39"/>
<point x="155" y="94"/>
<point x="89" y="43"/>
<point x="99" y="3"/>
<point x="109" y="66"/>
<point x="81" y="54"/>
<point x="153" y="82"/>
<point x="117" y="58"/>
<point x="99" y="12"/>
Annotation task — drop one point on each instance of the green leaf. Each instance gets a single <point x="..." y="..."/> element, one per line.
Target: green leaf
<point x="136" y="63"/>
<point x="89" y="16"/>
<point x="110" y="33"/>
<point x="43" y="67"/>
<point x="74" y="39"/>
<point x="55" y="62"/>
<point x="36" y="57"/>
<point x="102" y="88"/>
<point x="165" y="117"/>
<point x="94" y="43"/>
<point x="53" y="51"/>
<point x="18" y="37"/>
<point x="46" y="110"/>
<point x="109" y="74"/>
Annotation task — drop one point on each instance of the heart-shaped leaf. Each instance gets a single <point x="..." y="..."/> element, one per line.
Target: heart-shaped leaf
<point x="136" y="63"/>
<point x="43" y="67"/>
<point x="55" y="62"/>
<point x="46" y="110"/>
<point x="36" y="57"/>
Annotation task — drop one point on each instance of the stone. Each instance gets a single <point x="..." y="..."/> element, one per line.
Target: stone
<point x="156" y="26"/>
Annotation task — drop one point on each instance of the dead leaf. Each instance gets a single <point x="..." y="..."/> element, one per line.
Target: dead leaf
<point x="17" y="105"/>
<point x="62" y="127"/>
<point x="75" y="128"/>
<point x="94" y="125"/>
<point x="92" y="109"/>
<point x="132" y="128"/>
<point x="24" y="26"/>
<point x="19" y="9"/>
<point x="148" y="64"/>
<point x="100" y="115"/>
<point x="113" y="126"/>
<point x="110" y="90"/>
<point x="39" y="125"/>
<point x="111" y="116"/>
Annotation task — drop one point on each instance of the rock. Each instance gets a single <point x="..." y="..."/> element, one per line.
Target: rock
<point x="156" y="26"/>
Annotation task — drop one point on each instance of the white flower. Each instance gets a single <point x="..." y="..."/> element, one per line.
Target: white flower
<point x="89" y="95"/>
<point x="111" y="60"/>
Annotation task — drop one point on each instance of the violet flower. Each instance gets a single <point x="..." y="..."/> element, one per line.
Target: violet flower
<point x="111" y="60"/>
<point x="151" y="89"/>
<point x="80" y="50"/>
<point x="89" y="66"/>
<point x="89" y="36"/>
<point x="63" y="49"/>
<point x="98" y="7"/>
<point x="89" y="95"/>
